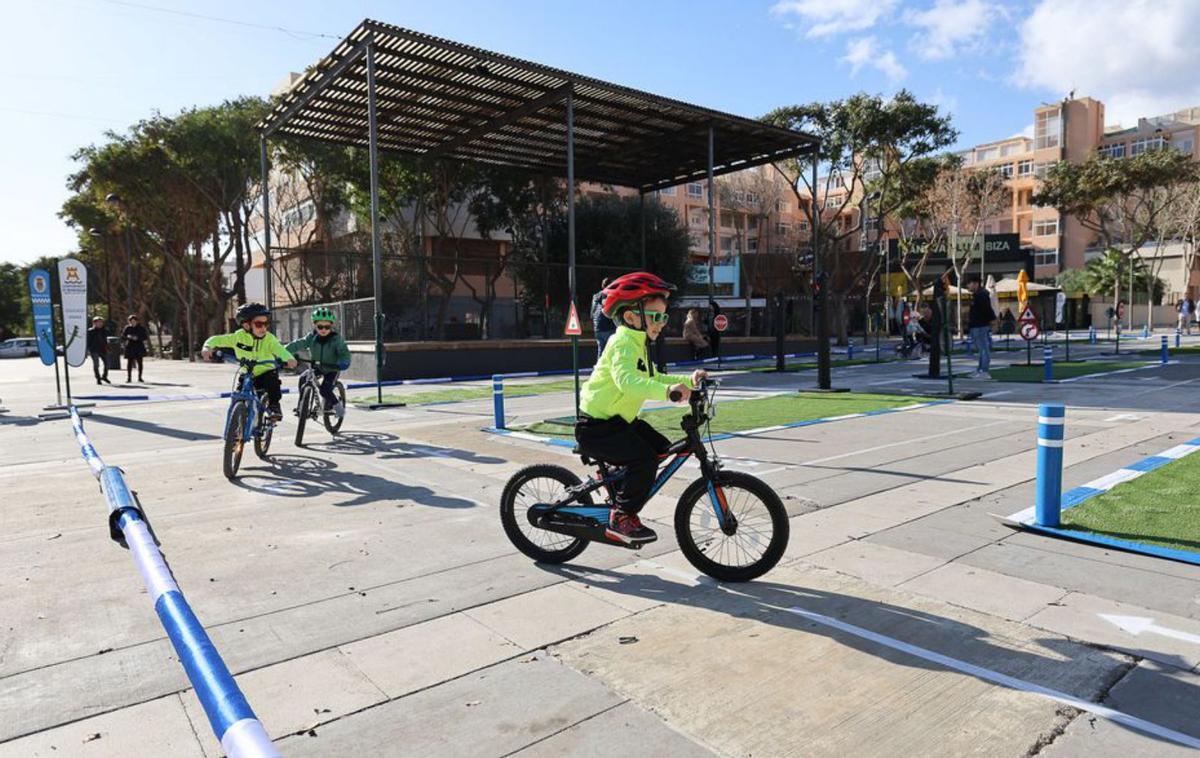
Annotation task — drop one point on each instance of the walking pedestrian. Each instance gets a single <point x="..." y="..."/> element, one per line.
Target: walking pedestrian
<point x="602" y="326"/>
<point x="692" y="334"/>
<point x="980" y="320"/>
<point x="1184" y="313"/>
<point x="136" y="337"/>
<point x="1191" y="306"/>
<point x="97" y="347"/>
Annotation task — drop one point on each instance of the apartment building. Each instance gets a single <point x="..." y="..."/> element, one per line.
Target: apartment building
<point x="1071" y="130"/>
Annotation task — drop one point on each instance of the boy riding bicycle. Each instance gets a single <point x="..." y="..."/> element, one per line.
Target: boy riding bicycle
<point x="328" y="352"/>
<point x="608" y="428"/>
<point x="254" y="343"/>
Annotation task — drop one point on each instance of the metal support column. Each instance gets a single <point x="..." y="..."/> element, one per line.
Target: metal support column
<point x="642" y="222"/>
<point x="824" y="379"/>
<point x="571" y="231"/>
<point x="376" y="253"/>
<point x="712" y="219"/>
<point x="268" y="276"/>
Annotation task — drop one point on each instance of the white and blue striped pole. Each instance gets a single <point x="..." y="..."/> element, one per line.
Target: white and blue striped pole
<point x="230" y="716"/>
<point x="1051" y="420"/>
<point x="1166" y="352"/>
<point x="850" y="350"/>
<point x="1091" y="335"/>
<point x="1047" y="364"/>
<point x="1178" y="338"/>
<point x="1145" y="332"/>
<point x="498" y="400"/>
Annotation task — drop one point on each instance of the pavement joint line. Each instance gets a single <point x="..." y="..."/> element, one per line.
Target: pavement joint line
<point x="584" y="720"/>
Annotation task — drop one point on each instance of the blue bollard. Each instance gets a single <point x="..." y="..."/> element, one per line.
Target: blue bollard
<point x="1092" y="335"/>
<point x="1178" y="338"/>
<point x="1047" y="364"/>
<point x="1145" y="332"/>
<point x="850" y="350"/>
<point x="1165" y="351"/>
<point x="1051" y="420"/>
<point x="498" y="400"/>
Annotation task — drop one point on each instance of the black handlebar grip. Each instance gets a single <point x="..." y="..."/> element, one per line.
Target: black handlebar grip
<point x="675" y="396"/>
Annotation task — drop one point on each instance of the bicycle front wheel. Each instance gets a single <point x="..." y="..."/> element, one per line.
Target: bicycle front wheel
<point x="303" y="411"/>
<point x="234" y="439"/>
<point x="333" y="422"/>
<point x="752" y="547"/>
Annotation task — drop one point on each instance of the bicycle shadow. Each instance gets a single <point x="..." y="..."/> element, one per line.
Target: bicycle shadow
<point x="386" y="446"/>
<point x="1059" y="664"/>
<point x="304" y="476"/>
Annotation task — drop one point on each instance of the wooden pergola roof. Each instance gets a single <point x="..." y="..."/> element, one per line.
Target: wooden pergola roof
<point x="436" y="98"/>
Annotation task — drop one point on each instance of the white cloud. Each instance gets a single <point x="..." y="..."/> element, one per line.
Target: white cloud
<point x="1139" y="57"/>
<point x="947" y="104"/>
<point x="950" y="26"/>
<point x="822" y="18"/>
<point x="865" y="51"/>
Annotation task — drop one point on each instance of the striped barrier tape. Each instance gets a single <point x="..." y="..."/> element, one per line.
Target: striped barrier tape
<point x="230" y="716"/>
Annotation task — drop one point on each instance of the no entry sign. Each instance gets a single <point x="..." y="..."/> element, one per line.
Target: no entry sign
<point x="721" y="323"/>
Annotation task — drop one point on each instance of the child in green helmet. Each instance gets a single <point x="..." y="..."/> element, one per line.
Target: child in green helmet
<point x="328" y="352"/>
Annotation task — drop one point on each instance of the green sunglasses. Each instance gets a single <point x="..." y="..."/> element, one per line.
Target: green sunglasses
<point x="655" y="317"/>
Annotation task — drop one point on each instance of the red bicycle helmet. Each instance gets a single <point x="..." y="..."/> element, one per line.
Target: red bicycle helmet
<point x="626" y="291"/>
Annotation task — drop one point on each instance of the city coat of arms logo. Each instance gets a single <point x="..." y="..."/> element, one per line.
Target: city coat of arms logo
<point x="73" y="275"/>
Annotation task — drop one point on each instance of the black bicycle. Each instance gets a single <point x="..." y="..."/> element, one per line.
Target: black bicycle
<point x="730" y="525"/>
<point x="310" y="405"/>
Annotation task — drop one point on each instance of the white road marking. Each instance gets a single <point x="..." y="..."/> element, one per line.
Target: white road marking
<point x="902" y="442"/>
<point x="1137" y="625"/>
<point x="1003" y="680"/>
<point x="1124" y="417"/>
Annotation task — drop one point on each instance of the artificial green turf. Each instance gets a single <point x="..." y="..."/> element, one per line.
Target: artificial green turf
<point x="1158" y="508"/>
<point x="1062" y="370"/>
<point x="740" y="415"/>
<point x="459" y="394"/>
<point x="1188" y="350"/>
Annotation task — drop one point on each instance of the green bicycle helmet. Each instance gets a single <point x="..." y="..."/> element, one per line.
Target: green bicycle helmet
<point x="323" y="313"/>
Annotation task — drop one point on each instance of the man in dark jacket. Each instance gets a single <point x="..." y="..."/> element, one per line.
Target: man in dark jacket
<point x="97" y="347"/>
<point x="602" y="325"/>
<point x="980" y="320"/>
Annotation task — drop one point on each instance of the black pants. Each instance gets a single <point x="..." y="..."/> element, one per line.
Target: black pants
<point x="269" y="383"/>
<point x="325" y="389"/>
<point x="635" y="446"/>
<point x="131" y="362"/>
<point x="99" y="365"/>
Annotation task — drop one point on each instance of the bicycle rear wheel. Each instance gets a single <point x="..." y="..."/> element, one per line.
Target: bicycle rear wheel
<point x="756" y="544"/>
<point x="234" y="441"/>
<point x="303" y="411"/>
<point x="333" y="422"/>
<point x="530" y="486"/>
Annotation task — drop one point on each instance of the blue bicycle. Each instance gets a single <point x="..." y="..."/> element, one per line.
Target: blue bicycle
<point x="730" y="525"/>
<point x="248" y="416"/>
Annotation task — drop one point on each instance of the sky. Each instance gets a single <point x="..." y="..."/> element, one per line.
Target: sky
<point x="78" y="68"/>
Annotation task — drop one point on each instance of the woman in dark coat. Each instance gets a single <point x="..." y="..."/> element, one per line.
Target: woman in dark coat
<point x="135" y="337"/>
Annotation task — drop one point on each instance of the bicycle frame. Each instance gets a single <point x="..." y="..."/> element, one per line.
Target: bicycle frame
<point x="244" y="390"/>
<point x="675" y="456"/>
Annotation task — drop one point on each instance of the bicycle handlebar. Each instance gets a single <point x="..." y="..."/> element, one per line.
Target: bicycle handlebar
<point x="227" y="358"/>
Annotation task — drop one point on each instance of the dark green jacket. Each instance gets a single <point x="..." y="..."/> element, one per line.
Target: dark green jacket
<point x="330" y="354"/>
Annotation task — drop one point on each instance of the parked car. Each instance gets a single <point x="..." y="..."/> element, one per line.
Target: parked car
<point x="18" y="347"/>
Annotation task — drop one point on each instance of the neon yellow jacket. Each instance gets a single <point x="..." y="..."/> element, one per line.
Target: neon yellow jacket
<point x="621" y="380"/>
<point x="245" y="346"/>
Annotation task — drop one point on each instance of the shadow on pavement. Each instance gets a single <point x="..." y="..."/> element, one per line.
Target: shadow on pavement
<point x="151" y="427"/>
<point x="303" y="476"/>
<point x="389" y="447"/>
<point x="1062" y="667"/>
<point x="7" y="420"/>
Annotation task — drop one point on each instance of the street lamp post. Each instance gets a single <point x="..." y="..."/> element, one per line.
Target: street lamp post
<point x="115" y="199"/>
<point x="99" y="234"/>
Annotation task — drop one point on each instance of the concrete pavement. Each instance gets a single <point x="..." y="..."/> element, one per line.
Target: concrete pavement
<point x="363" y="593"/>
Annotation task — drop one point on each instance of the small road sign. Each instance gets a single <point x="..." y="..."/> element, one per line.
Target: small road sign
<point x="573" y="328"/>
<point x="1030" y="331"/>
<point x="721" y="322"/>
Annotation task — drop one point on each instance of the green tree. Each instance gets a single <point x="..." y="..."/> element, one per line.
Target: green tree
<point x="1109" y="271"/>
<point x="866" y="141"/>
<point x="1123" y="201"/>
<point x="14" y="300"/>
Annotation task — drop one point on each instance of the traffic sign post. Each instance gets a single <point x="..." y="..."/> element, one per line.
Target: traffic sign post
<point x="1029" y="332"/>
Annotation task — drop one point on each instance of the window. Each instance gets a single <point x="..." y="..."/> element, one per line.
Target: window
<point x="1024" y="168"/>
<point x="1006" y="171"/>
<point x="987" y="153"/>
<point x="871" y="223"/>
<point x="695" y="189"/>
<point x="782" y="206"/>
<point x="696" y="218"/>
<point x="1139" y="146"/>
<point x="299" y="215"/>
<point x="727" y="244"/>
<point x="1185" y="144"/>
<point x="752" y="198"/>
<point x="1047" y="129"/>
<point x="726" y="220"/>
<point x="783" y="227"/>
<point x="1045" y="257"/>
<point x="1112" y="151"/>
<point x="1041" y="167"/>
<point x="802" y="226"/>
<point x="1045" y="227"/>
<point x="667" y="191"/>
<point x="837" y="201"/>
<point x="752" y="245"/>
